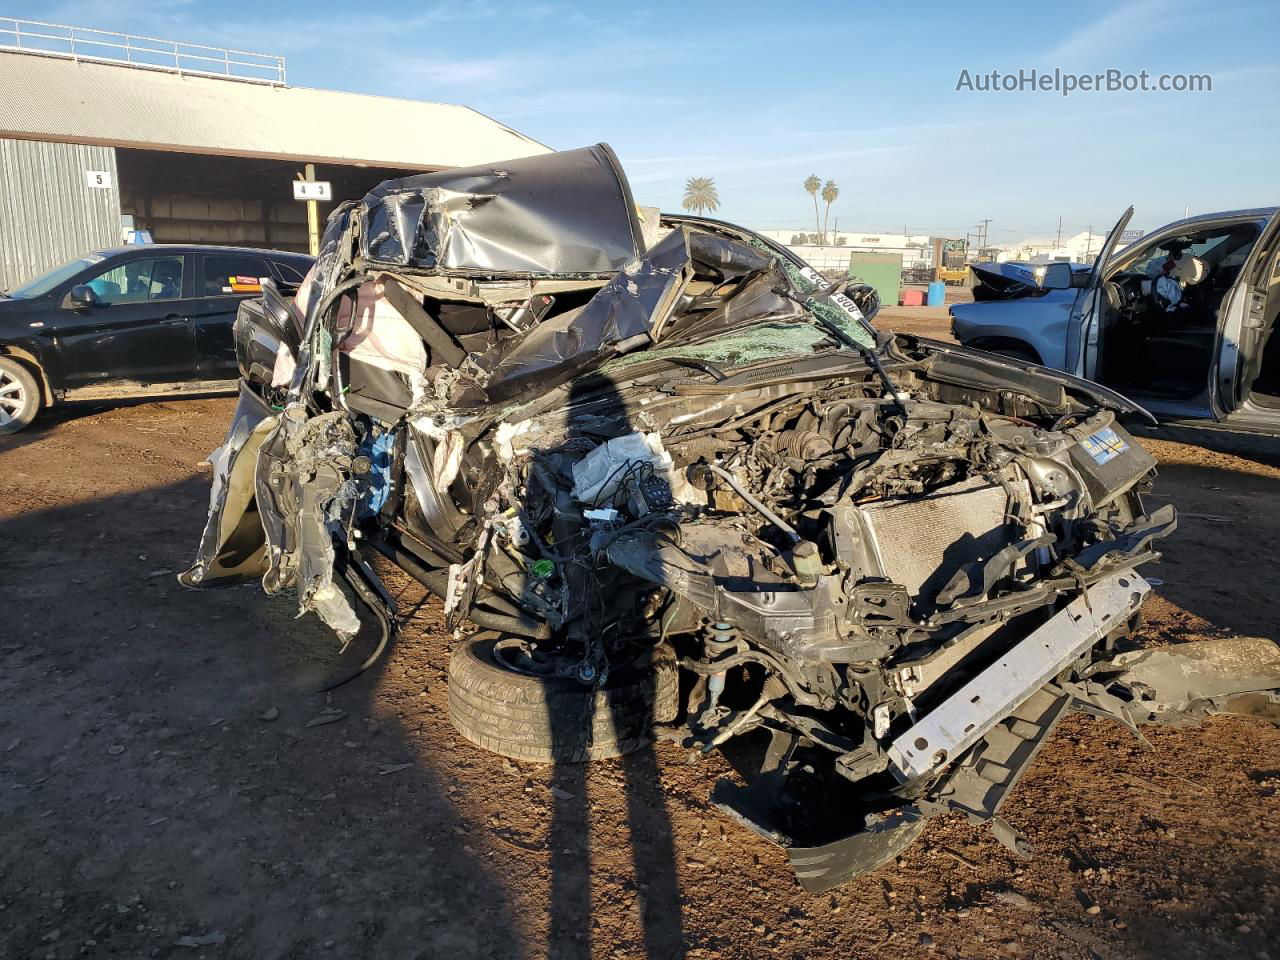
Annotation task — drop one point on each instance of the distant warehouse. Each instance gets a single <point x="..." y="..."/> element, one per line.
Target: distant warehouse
<point x="103" y="131"/>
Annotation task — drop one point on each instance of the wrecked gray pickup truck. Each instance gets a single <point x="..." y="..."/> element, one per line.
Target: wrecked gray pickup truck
<point x="675" y="483"/>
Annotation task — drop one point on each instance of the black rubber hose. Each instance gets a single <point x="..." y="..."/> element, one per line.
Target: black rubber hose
<point x="437" y="581"/>
<point x="522" y="626"/>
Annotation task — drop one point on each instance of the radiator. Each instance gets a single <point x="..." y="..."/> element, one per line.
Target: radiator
<point x="920" y="543"/>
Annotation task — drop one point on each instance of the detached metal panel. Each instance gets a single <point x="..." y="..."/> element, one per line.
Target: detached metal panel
<point x="48" y="211"/>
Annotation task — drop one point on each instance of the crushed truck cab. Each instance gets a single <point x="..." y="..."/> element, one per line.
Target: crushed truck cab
<point x="666" y="482"/>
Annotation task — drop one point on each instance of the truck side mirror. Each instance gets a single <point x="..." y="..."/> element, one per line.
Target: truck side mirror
<point x="81" y="297"/>
<point x="1059" y="275"/>
<point x="1053" y="276"/>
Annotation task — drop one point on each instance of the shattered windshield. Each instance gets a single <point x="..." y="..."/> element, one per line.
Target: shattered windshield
<point x="825" y="311"/>
<point x="738" y="348"/>
<point x="832" y="314"/>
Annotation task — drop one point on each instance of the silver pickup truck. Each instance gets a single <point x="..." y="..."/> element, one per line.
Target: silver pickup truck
<point x="1180" y="320"/>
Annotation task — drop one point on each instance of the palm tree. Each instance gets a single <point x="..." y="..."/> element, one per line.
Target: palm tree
<point x="811" y="184"/>
<point x="829" y="193"/>
<point x="700" y="195"/>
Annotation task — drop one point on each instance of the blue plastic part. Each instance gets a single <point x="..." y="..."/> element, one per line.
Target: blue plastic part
<point x="376" y="484"/>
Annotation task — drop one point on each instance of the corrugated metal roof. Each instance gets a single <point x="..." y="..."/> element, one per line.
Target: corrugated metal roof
<point x="50" y="98"/>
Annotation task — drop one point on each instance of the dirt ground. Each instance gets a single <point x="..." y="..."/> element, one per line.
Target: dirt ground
<point x="171" y="786"/>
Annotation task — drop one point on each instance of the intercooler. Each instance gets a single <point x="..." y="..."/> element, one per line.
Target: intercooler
<point x="921" y="542"/>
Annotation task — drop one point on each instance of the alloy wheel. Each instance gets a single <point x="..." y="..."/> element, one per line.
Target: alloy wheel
<point x="13" y="398"/>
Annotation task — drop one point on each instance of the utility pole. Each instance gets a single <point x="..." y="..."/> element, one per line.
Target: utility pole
<point x="313" y="215"/>
<point x="982" y="232"/>
<point x="1088" y="243"/>
<point x="1058" y="243"/>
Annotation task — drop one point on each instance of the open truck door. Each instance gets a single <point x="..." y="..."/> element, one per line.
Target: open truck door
<point x="1245" y="325"/>
<point x="1084" y="335"/>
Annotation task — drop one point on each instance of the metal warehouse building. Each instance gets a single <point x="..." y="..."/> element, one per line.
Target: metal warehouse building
<point x="195" y="144"/>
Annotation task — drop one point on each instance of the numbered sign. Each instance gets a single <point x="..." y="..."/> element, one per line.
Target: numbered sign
<point x="312" y="190"/>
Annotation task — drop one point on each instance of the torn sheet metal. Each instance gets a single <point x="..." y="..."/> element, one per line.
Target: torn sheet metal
<point x="232" y="547"/>
<point x="307" y="494"/>
<point x="627" y="313"/>
<point x="562" y="213"/>
<point x="1197" y="679"/>
<point x="517" y="220"/>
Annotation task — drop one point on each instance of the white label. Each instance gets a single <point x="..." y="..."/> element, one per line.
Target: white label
<point x="98" y="179"/>
<point x="312" y="190"/>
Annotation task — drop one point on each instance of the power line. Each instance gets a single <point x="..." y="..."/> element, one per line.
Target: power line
<point x="936" y="230"/>
<point x="982" y="231"/>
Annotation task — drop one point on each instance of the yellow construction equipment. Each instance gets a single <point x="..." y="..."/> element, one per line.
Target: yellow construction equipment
<point x="950" y="260"/>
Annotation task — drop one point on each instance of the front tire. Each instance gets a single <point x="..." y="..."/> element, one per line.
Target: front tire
<point x="19" y="396"/>
<point x="549" y="719"/>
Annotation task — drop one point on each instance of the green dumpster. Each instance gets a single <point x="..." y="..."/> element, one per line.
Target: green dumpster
<point x="882" y="270"/>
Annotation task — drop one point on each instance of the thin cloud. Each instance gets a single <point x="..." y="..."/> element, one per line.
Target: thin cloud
<point x="575" y="102"/>
<point x="736" y="164"/>
<point x="1127" y="26"/>
<point x="474" y="74"/>
<point x="182" y="20"/>
<point x="673" y="160"/>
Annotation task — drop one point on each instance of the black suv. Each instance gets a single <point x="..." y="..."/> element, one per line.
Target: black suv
<point x="129" y="321"/>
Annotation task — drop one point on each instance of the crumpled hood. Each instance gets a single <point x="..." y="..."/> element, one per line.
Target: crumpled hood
<point x="565" y="213"/>
<point x="1011" y="280"/>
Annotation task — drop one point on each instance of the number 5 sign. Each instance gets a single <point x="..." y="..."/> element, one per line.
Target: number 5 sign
<point x="98" y="179"/>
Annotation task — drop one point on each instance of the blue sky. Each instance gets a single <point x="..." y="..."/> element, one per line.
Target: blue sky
<point x="759" y="95"/>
